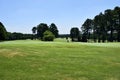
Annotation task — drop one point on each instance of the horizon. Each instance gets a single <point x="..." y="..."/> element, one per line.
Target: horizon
<point x="21" y="16"/>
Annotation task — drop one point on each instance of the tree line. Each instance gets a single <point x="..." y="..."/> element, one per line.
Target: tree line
<point x="41" y="31"/>
<point x="5" y="35"/>
<point x="104" y="27"/>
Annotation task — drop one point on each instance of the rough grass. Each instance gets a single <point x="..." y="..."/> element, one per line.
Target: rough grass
<point x="36" y="60"/>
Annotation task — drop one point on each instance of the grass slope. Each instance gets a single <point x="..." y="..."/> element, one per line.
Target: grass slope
<point x="35" y="60"/>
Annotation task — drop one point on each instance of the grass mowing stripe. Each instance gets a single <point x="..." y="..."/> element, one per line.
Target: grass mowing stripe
<point x="36" y="60"/>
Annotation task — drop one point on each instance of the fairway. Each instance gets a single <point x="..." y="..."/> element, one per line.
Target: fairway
<point x="37" y="60"/>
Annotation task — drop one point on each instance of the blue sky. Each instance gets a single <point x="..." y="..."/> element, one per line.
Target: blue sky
<point x="22" y="15"/>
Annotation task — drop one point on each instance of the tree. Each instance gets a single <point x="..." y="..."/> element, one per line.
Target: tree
<point x="87" y="27"/>
<point x="99" y="29"/>
<point x="94" y="31"/>
<point x="18" y="36"/>
<point x="54" y="30"/>
<point x="34" y="29"/>
<point x="102" y="24"/>
<point x="41" y="28"/>
<point x="48" y="36"/>
<point x="74" y="33"/>
<point x="117" y="22"/>
<point x="110" y="23"/>
<point x="3" y="32"/>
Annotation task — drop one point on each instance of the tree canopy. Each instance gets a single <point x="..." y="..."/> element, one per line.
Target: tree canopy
<point x="42" y="28"/>
<point x="54" y="30"/>
<point x="104" y="26"/>
<point x="74" y="34"/>
<point x="3" y="32"/>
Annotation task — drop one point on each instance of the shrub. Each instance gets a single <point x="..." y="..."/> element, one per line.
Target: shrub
<point x="48" y="36"/>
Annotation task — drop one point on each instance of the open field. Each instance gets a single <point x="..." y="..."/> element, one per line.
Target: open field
<point x="59" y="60"/>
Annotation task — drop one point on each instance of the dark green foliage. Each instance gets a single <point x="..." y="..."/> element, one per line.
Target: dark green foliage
<point x="117" y="22"/>
<point x="101" y="30"/>
<point x="103" y="27"/>
<point x="34" y="29"/>
<point x="86" y="28"/>
<point x="64" y="35"/>
<point x="84" y="38"/>
<point x="3" y="32"/>
<point x="54" y="30"/>
<point x="48" y="36"/>
<point x="109" y="16"/>
<point x="18" y="36"/>
<point x="41" y="28"/>
<point x="74" y="34"/>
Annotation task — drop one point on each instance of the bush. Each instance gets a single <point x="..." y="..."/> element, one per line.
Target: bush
<point x="48" y="36"/>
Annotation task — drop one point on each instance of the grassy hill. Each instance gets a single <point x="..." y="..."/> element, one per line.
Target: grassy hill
<point x="59" y="60"/>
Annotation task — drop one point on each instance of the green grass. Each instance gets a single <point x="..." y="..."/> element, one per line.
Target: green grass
<point x="36" y="60"/>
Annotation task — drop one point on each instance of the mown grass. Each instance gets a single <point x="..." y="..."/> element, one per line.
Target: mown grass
<point x="36" y="60"/>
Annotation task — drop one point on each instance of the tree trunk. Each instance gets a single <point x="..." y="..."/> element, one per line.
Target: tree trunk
<point x="103" y="38"/>
<point x="94" y="35"/>
<point x="111" y="35"/>
<point x="118" y="36"/>
<point x="99" y="38"/>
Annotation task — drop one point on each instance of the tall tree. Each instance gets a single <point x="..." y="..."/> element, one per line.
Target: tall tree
<point x="96" y="28"/>
<point x="94" y="31"/>
<point x="105" y="26"/>
<point x="117" y="22"/>
<point x="102" y="26"/>
<point x="74" y="33"/>
<point x="110" y="23"/>
<point x="54" y="30"/>
<point x="3" y="32"/>
<point x="87" y="27"/>
<point x="41" y="28"/>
